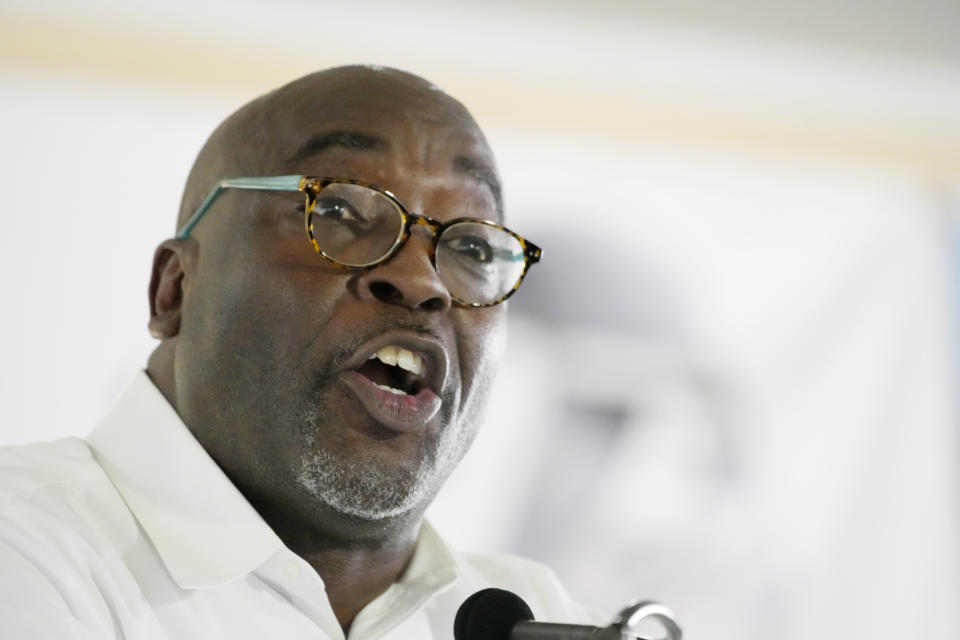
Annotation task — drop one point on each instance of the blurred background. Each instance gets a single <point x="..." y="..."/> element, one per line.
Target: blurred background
<point x="730" y="385"/>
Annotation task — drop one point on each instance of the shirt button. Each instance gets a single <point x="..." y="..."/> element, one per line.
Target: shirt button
<point x="292" y="570"/>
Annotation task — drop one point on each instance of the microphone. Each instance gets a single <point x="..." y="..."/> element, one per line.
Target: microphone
<point x="496" y="614"/>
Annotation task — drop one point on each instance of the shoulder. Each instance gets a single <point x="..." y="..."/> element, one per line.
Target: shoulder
<point x="25" y="469"/>
<point x="533" y="581"/>
<point x="505" y="566"/>
<point x="53" y="492"/>
<point x="61" y="526"/>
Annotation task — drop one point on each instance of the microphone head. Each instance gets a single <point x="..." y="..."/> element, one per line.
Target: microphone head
<point x="490" y="615"/>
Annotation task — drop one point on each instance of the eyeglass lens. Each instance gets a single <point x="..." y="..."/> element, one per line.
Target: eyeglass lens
<point x="358" y="226"/>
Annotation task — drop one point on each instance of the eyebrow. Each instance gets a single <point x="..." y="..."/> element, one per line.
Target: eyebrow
<point x="352" y="140"/>
<point x="356" y="141"/>
<point x="481" y="173"/>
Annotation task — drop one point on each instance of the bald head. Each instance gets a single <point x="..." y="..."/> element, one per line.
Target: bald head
<point x="284" y="131"/>
<point x="264" y="343"/>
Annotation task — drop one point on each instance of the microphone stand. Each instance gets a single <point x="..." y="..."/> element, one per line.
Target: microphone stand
<point x="624" y="627"/>
<point x="628" y="620"/>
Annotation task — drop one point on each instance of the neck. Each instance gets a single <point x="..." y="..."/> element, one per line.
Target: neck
<point x="355" y="577"/>
<point x="160" y="370"/>
<point x="358" y="560"/>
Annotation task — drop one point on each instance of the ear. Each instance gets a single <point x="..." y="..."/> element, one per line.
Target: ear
<point x="171" y="262"/>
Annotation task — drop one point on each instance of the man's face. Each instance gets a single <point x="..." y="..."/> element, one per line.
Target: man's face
<point x="272" y="371"/>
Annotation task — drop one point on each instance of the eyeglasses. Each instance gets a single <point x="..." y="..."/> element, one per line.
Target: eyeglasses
<point x="358" y="225"/>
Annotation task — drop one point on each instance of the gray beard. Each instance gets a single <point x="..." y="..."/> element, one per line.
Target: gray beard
<point x="366" y="489"/>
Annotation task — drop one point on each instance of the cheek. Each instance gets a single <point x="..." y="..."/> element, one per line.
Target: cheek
<point x="277" y="275"/>
<point x="254" y="310"/>
<point x="483" y="341"/>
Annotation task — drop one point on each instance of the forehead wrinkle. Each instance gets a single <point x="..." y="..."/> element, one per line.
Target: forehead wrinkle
<point x="482" y="174"/>
<point x="350" y="140"/>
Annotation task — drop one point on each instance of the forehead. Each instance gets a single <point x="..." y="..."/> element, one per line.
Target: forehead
<point x="409" y="138"/>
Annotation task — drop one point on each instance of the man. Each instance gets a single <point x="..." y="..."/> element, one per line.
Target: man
<point x="269" y="474"/>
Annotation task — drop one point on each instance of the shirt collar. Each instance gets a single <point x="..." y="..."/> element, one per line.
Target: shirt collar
<point x="432" y="570"/>
<point x="433" y="565"/>
<point x="203" y="529"/>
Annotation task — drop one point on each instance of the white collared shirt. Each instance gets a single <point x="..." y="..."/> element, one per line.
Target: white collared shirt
<point x="137" y="534"/>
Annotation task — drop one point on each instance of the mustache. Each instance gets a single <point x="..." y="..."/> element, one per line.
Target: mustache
<point x="348" y="348"/>
<point x="326" y="377"/>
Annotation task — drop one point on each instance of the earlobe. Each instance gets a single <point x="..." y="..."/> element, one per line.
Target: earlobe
<point x="166" y="289"/>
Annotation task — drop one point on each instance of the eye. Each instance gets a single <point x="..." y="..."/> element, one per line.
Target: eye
<point x="337" y="209"/>
<point x="473" y="247"/>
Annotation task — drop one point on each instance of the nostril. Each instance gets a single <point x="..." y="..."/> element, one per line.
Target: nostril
<point x="385" y="292"/>
<point x="433" y="304"/>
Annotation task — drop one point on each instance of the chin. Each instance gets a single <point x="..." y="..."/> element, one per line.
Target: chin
<point x="367" y="490"/>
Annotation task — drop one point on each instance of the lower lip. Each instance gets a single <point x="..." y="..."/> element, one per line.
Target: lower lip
<point x="405" y="413"/>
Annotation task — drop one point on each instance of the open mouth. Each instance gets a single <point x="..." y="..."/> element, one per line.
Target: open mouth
<point x="399" y="386"/>
<point x="395" y="369"/>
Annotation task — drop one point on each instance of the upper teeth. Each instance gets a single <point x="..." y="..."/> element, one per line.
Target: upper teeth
<point x="403" y="358"/>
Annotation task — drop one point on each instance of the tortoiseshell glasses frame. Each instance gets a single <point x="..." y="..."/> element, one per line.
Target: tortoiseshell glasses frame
<point x="311" y="187"/>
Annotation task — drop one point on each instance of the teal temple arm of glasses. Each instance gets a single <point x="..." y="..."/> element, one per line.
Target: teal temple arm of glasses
<point x="274" y="183"/>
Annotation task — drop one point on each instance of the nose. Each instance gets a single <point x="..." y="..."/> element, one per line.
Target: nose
<point x="408" y="278"/>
